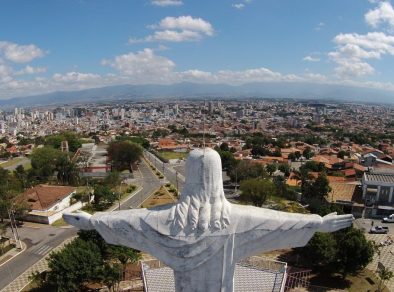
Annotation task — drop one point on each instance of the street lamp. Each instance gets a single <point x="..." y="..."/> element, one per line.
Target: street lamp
<point x="176" y="178"/>
<point x="119" y="200"/>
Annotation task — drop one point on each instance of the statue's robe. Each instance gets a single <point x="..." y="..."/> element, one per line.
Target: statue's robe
<point x="206" y="259"/>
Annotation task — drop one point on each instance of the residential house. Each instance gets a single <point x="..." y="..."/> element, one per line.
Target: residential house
<point x="378" y="192"/>
<point x="47" y="203"/>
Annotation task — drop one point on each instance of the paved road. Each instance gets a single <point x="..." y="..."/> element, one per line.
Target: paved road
<point x="174" y="176"/>
<point x="40" y="241"/>
<point x="149" y="183"/>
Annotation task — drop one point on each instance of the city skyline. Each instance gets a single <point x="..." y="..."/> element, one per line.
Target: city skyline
<point x="51" y="46"/>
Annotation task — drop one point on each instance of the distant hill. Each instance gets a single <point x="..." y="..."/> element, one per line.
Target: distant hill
<point x="194" y="90"/>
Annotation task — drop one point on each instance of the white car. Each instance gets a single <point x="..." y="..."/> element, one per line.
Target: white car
<point x="389" y="219"/>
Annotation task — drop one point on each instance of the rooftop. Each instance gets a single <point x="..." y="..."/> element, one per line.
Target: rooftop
<point x="42" y="197"/>
<point x="379" y="177"/>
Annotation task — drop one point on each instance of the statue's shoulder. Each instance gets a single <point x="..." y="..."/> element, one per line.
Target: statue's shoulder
<point x="250" y="217"/>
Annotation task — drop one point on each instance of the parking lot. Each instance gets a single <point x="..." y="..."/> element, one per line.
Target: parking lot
<point x="386" y="251"/>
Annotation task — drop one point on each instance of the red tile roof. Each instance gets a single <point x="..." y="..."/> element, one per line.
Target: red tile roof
<point x="42" y="197"/>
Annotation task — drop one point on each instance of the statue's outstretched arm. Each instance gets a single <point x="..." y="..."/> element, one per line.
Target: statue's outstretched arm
<point x="79" y="219"/>
<point x="333" y="222"/>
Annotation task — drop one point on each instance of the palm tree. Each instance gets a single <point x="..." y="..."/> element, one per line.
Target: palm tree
<point x="384" y="275"/>
<point x="124" y="255"/>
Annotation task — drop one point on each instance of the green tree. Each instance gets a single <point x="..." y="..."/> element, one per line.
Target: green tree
<point x="354" y="251"/>
<point x="280" y="185"/>
<point x="10" y="188"/>
<point x="110" y="275"/>
<point x="3" y="230"/>
<point x="317" y="189"/>
<point x="21" y="175"/>
<point x="285" y="168"/>
<point x="292" y="156"/>
<point x="124" y="255"/>
<point x="271" y="168"/>
<point x="228" y="160"/>
<point x="55" y="141"/>
<point x="123" y="154"/>
<point x="224" y="147"/>
<point x="321" y="250"/>
<point x="246" y="169"/>
<point x="256" y="191"/>
<point x="341" y="154"/>
<point x="103" y="197"/>
<point x="94" y="237"/>
<point x="113" y="179"/>
<point x="44" y="162"/>
<point x="307" y="153"/>
<point x="74" y="265"/>
<point x="67" y="172"/>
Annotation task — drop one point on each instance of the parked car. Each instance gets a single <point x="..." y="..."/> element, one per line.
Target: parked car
<point x="379" y="230"/>
<point x="389" y="219"/>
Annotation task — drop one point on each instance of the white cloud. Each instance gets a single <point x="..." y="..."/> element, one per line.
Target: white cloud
<point x="311" y="59"/>
<point x="31" y="70"/>
<point x="19" y="53"/>
<point x="354" y="49"/>
<point x="167" y="2"/>
<point x="186" y="23"/>
<point x="174" y="36"/>
<point x="238" y="5"/>
<point x="76" y="77"/>
<point x="383" y="14"/>
<point x="178" y="29"/>
<point x="6" y="72"/>
<point x="319" y="26"/>
<point x="143" y="66"/>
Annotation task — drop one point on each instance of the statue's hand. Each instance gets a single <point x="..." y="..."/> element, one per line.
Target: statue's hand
<point x="79" y="219"/>
<point x="333" y="222"/>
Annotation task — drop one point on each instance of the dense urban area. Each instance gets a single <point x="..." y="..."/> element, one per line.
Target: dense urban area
<point x="287" y="155"/>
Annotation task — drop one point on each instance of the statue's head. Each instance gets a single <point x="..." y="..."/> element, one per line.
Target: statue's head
<point x="203" y="174"/>
<point x="202" y="203"/>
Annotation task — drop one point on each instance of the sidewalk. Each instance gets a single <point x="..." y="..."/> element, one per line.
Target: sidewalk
<point x="11" y="254"/>
<point x="23" y="280"/>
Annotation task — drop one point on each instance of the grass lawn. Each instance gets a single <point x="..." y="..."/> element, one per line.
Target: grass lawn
<point x="173" y="155"/>
<point x="27" y="165"/>
<point x="11" y="162"/>
<point x="59" y="223"/>
<point x="363" y="281"/>
<point x="160" y="197"/>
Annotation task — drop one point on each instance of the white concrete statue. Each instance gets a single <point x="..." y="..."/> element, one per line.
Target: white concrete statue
<point x="203" y="236"/>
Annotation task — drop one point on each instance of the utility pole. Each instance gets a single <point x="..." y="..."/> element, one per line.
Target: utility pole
<point x="12" y="226"/>
<point x="163" y="167"/>
<point x="236" y="178"/>
<point x="119" y="194"/>
<point x="119" y="200"/>
<point x="14" y="229"/>
<point x="176" y="178"/>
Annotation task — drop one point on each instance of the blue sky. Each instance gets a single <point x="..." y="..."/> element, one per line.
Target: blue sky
<point x="67" y="45"/>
